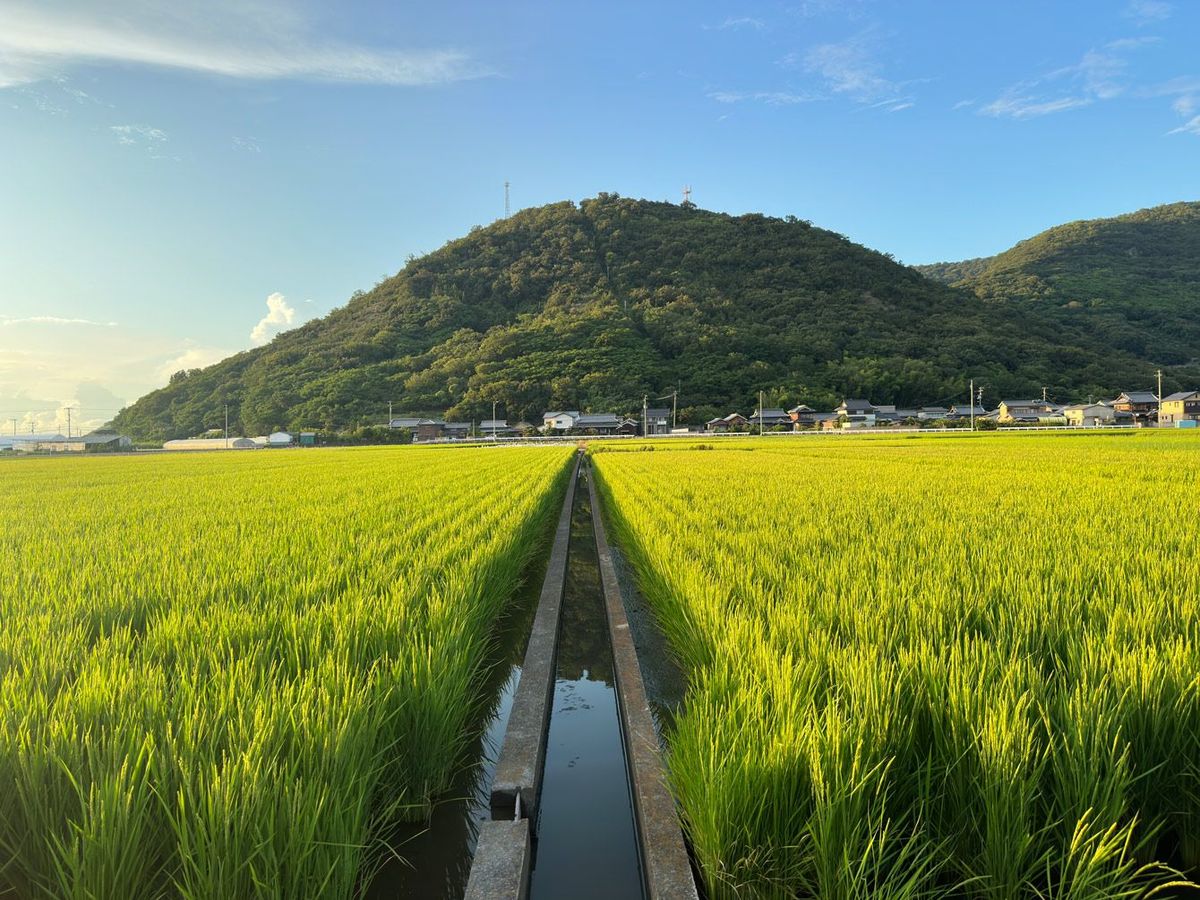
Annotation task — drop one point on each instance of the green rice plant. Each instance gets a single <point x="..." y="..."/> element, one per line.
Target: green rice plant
<point x="927" y="667"/>
<point x="231" y="675"/>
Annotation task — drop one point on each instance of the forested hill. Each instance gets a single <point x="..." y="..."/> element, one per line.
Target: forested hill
<point x="592" y="306"/>
<point x="1131" y="282"/>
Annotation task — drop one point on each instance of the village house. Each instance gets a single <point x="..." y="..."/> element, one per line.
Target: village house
<point x="1029" y="412"/>
<point x="770" y="418"/>
<point x="495" y="428"/>
<point x="658" y="421"/>
<point x="597" y="423"/>
<point x="1182" y="406"/>
<point x="932" y="413"/>
<point x="1089" y="415"/>
<point x="966" y="410"/>
<point x="429" y="430"/>
<point x="731" y="422"/>
<point x="409" y="422"/>
<point x="819" y="420"/>
<point x="559" y="420"/>
<point x="802" y="415"/>
<point x="859" y="412"/>
<point x="1142" y="405"/>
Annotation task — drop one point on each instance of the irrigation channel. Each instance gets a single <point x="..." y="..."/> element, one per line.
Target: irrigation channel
<point x="567" y="795"/>
<point x="579" y="804"/>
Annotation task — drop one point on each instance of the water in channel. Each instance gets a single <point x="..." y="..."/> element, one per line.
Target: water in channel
<point x="586" y="845"/>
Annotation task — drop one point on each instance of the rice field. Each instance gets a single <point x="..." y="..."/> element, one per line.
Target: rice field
<point x="226" y="675"/>
<point x="933" y="667"/>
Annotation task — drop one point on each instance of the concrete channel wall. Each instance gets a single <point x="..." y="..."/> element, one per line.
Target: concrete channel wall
<point x="518" y="775"/>
<point x="666" y="866"/>
<point x="501" y="867"/>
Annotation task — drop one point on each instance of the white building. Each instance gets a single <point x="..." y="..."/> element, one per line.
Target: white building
<point x="560" y="420"/>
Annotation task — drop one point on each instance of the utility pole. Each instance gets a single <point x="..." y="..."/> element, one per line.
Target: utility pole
<point x="14" y="421"/>
<point x="1159" y="374"/>
<point x="972" y="399"/>
<point x="226" y="426"/>
<point x="1043" y="395"/>
<point x="493" y="420"/>
<point x="389" y="414"/>
<point x="645" y="416"/>
<point x="760" y="414"/>
<point x="68" y="423"/>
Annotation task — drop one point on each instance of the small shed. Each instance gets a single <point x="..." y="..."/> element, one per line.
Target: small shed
<point x="279" y="439"/>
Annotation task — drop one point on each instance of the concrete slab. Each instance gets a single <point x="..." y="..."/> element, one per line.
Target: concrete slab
<point x="500" y="870"/>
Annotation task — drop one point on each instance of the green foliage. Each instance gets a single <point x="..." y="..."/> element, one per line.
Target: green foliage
<point x="900" y="689"/>
<point x="1130" y="284"/>
<point x="229" y="675"/>
<point x="593" y="306"/>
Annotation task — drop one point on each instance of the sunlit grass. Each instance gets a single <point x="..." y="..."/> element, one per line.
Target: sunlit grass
<point x="225" y="676"/>
<point x="928" y="668"/>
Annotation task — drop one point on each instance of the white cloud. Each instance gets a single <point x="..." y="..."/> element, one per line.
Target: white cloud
<point x="52" y="320"/>
<point x="736" y="22"/>
<point x="771" y="98"/>
<point x="138" y="134"/>
<point x="1014" y="105"/>
<point x="1192" y="126"/>
<point x="851" y="68"/>
<point x="1099" y="75"/>
<point x="961" y="104"/>
<point x="1147" y="12"/>
<point x="194" y="357"/>
<point x="268" y="39"/>
<point x="279" y="317"/>
<point x="249" y="144"/>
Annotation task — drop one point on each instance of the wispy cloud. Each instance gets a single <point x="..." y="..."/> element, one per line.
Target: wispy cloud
<point x="145" y="137"/>
<point x="1099" y="75"/>
<point x="737" y="22"/>
<point x="280" y="316"/>
<point x="771" y="98"/>
<point x="135" y="135"/>
<point x="851" y="68"/>
<point x="1192" y="126"/>
<point x="1015" y="105"/>
<point x="52" y="320"/>
<point x="963" y="104"/>
<point x="269" y="39"/>
<point x="249" y="144"/>
<point x="1147" y="12"/>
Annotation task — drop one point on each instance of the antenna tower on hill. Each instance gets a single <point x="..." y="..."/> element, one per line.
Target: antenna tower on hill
<point x="687" y="195"/>
<point x="506" y="208"/>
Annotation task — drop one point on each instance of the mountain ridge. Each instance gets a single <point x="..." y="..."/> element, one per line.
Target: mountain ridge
<point x="594" y="305"/>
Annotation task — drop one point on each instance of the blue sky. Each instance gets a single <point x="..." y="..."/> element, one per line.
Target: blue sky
<point x="178" y="185"/>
